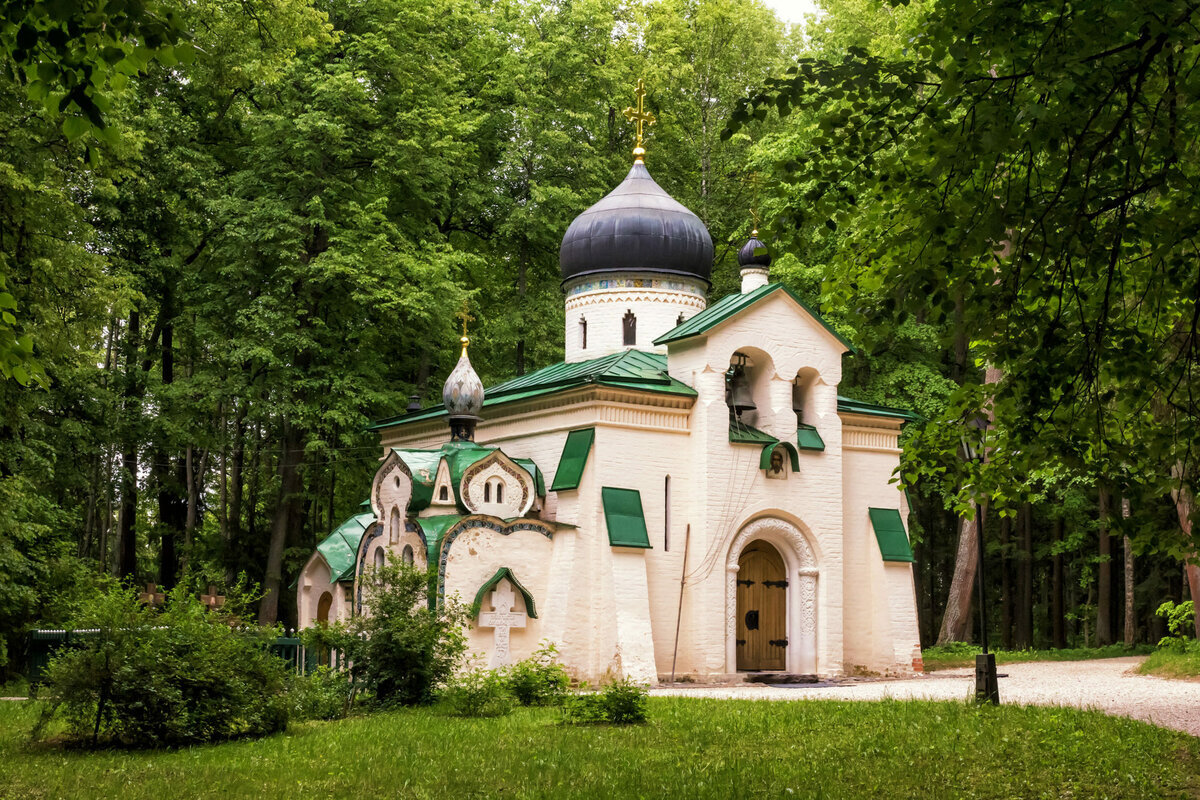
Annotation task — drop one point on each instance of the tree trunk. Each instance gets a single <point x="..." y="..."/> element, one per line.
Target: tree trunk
<point x="287" y="508"/>
<point x="958" y="603"/>
<point x="1006" y="599"/>
<point x="1130" y="610"/>
<point x="1104" y="576"/>
<point x="127" y="516"/>
<point x="1184" y="504"/>
<point x="1057" y="610"/>
<point x="1024" y="636"/>
<point x="233" y="533"/>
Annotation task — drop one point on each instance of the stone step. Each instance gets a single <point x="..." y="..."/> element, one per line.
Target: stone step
<point x="771" y="678"/>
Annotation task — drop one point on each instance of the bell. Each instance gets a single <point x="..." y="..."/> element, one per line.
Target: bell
<point x="738" y="394"/>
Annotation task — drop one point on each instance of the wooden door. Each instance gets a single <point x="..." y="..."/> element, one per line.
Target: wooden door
<point x="761" y="608"/>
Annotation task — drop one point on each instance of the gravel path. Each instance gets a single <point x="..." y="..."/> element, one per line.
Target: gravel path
<point x="1108" y="685"/>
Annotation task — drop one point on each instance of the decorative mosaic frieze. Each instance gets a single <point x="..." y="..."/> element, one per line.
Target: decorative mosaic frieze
<point x="632" y="282"/>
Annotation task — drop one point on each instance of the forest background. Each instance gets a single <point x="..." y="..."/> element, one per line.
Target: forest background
<point x="233" y="233"/>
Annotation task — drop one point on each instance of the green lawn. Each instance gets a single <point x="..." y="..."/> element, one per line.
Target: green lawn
<point x="960" y="655"/>
<point x="1168" y="664"/>
<point x="692" y="748"/>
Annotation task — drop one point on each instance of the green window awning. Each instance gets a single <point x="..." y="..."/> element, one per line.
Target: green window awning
<point x="573" y="460"/>
<point x="807" y="438"/>
<point x="623" y="514"/>
<point x="889" y="532"/>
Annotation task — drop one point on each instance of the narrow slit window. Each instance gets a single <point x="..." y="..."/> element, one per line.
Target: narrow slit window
<point x="487" y="492"/>
<point x="499" y="492"/>
<point x="667" y="513"/>
<point x="443" y="494"/>
<point x="582" y="333"/>
<point x="629" y="328"/>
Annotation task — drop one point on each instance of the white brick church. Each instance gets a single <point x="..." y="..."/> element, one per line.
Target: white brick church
<point x="687" y="490"/>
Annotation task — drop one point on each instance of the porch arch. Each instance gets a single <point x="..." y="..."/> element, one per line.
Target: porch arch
<point x="802" y="570"/>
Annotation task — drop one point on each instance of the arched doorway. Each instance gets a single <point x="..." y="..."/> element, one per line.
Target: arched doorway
<point x="761" y="608"/>
<point x="323" y="606"/>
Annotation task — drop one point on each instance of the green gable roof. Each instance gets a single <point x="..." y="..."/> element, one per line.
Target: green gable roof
<point x="435" y="529"/>
<point x="624" y="517"/>
<point x="734" y="304"/>
<point x="889" y="532"/>
<point x="574" y="459"/>
<point x="628" y="369"/>
<point x="423" y="464"/>
<point x="505" y="572"/>
<point x="340" y="548"/>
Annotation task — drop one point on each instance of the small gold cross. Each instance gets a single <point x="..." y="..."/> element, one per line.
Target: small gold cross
<point x="640" y="116"/>
<point x="464" y="316"/>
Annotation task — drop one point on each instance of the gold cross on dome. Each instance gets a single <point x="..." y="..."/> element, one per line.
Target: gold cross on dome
<point x="641" y="117"/>
<point x="464" y="317"/>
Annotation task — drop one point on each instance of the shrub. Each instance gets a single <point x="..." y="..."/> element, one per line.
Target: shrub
<point x="539" y="680"/>
<point x="322" y="694"/>
<point x="401" y="650"/>
<point x="1179" y="617"/>
<point x="619" y="703"/>
<point x="181" y="675"/>
<point x="479" y="693"/>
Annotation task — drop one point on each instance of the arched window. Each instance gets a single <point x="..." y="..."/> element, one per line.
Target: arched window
<point x="444" y="494"/>
<point x="407" y="555"/>
<point x="493" y="489"/>
<point x="323" y="607"/>
<point x="629" y="328"/>
<point x="394" y="526"/>
<point x="582" y="333"/>
<point x="499" y="492"/>
<point x="487" y="492"/>
<point x="379" y="558"/>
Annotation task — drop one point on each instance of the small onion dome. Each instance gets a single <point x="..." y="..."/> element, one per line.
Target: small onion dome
<point x="637" y="227"/>
<point x="462" y="395"/>
<point x="754" y="253"/>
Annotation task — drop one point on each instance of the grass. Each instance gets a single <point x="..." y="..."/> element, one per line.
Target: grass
<point x="1167" y="663"/>
<point x="691" y="748"/>
<point x="959" y="654"/>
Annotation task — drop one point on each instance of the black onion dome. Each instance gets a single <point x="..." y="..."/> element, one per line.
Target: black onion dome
<point x="637" y="227"/>
<point x="748" y="258"/>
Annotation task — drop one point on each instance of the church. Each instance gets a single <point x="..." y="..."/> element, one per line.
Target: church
<point x="686" y="493"/>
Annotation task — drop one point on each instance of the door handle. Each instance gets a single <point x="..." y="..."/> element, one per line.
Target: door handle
<point x="752" y="620"/>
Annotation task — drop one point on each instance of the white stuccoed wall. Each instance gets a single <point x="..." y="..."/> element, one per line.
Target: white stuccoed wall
<point x="866" y="612"/>
<point x="603" y="300"/>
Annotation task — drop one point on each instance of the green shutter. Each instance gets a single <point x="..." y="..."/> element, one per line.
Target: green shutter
<point x="889" y="532"/>
<point x="573" y="460"/>
<point x="807" y="438"/>
<point x="623" y="513"/>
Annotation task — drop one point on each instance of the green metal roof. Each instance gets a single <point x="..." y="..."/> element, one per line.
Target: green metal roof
<point x="505" y="572"/>
<point x="734" y="304"/>
<point x="628" y="369"/>
<point x="850" y="406"/>
<point x="340" y="548"/>
<point x="807" y="438"/>
<point x="423" y="464"/>
<point x="574" y="459"/>
<point x="624" y="517"/>
<point x="741" y="433"/>
<point x="435" y="529"/>
<point x="889" y="532"/>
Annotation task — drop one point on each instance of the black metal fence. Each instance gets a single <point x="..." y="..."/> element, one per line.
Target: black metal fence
<point x="44" y="644"/>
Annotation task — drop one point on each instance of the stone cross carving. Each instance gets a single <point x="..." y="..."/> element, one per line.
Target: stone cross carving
<point x="502" y="619"/>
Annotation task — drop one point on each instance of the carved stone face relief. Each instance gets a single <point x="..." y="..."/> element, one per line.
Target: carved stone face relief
<point x="778" y="468"/>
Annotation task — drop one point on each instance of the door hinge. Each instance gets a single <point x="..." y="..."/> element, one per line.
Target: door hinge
<point x="776" y="584"/>
<point x="741" y="642"/>
<point x="745" y="582"/>
<point x="778" y="642"/>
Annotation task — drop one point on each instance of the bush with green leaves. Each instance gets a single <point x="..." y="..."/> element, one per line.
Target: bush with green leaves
<point x="322" y="694"/>
<point x="621" y="702"/>
<point x="539" y="680"/>
<point x="478" y="693"/>
<point x="400" y="649"/>
<point x="1179" y="617"/>
<point x="182" y="674"/>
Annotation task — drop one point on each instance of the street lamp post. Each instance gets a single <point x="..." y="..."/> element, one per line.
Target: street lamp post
<point x="987" y="689"/>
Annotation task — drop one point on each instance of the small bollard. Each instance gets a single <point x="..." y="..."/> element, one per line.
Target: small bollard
<point x="987" y="687"/>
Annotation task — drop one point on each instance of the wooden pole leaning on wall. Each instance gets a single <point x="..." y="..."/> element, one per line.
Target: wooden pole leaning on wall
<point x="687" y="540"/>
